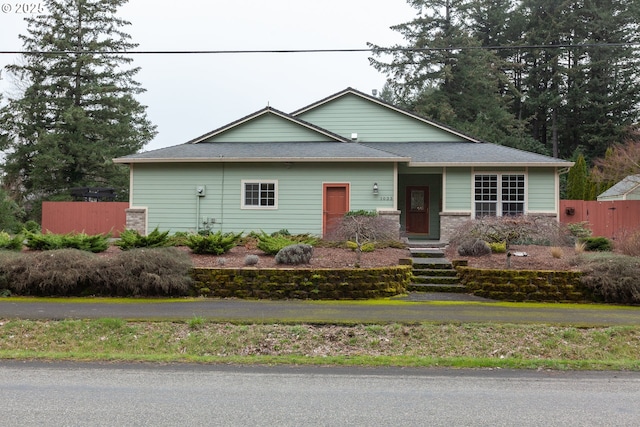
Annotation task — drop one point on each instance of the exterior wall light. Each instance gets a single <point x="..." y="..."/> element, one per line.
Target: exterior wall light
<point x="375" y="188"/>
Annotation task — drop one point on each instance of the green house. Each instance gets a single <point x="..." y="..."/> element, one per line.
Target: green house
<point x="302" y="171"/>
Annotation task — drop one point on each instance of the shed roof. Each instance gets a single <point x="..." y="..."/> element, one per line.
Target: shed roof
<point x="622" y="188"/>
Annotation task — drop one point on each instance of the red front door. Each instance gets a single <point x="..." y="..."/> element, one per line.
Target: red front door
<point x="417" y="210"/>
<point x="335" y="205"/>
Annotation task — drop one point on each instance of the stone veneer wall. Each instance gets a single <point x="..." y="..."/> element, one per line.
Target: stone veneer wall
<point x="137" y="220"/>
<point x="392" y="216"/>
<point x="450" y="221"/>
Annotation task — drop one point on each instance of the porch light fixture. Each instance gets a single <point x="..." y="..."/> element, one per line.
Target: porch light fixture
<point x="375" y="188"/>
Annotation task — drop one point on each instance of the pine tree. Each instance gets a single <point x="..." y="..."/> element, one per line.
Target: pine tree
<point x="78" y="110"/>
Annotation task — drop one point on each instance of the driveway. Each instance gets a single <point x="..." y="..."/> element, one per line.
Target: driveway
<point x="410" y="309"/>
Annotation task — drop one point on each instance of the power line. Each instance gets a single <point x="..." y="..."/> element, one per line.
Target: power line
<point x="292" y="51"/>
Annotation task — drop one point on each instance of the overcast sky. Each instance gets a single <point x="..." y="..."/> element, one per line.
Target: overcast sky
<point x="190" y="95"/>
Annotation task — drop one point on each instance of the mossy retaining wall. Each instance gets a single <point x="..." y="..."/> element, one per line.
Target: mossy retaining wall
<point x="316" y="284"/>
<point x="525" y="285"/>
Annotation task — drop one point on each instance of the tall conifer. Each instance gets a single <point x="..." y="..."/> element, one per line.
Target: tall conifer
<point x="78" y="109"/>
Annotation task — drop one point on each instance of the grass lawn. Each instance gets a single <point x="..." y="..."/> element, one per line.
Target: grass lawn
<point x="468" y="345"/>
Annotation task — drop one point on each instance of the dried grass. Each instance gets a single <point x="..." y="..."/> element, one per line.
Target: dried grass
<point x="556" y="252"/>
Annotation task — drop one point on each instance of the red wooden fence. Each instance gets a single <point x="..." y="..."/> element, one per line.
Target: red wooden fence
<point x="85" y="217"/>
<point x="606" y="219"/>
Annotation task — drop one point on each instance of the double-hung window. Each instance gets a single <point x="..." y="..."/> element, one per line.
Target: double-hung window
<point x="499" y="195"/>
<point x="260" y="194"/>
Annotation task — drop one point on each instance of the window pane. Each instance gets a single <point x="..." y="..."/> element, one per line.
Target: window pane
<point x="251" y="192"/>
<point x="512" y="195"/>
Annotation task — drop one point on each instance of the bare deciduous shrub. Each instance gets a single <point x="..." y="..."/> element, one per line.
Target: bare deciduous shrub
<point x="63" y="272"/>
<point x="364" y="229"/>
<point x="474" y="247"/>
<point x="614" y="278"/>
<point x="295" y="254"/>
<point x="519" y="230"/>
<point x="146" y="272"/>
<point x="628" y="243"/>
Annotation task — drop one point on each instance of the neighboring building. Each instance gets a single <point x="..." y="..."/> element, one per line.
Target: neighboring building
<point x="350" y="151"/>
<point x="627" y="189"/>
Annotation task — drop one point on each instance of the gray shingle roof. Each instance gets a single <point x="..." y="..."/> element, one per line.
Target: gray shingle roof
<point x="263" y="152"/>
<point x="623" y="187"/>
<point x="465" y="153"/>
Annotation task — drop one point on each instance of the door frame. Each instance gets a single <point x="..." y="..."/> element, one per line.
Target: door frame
<point x="325" y="186"/>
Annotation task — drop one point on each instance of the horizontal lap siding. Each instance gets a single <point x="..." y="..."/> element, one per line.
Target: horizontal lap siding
<point x="169" y="194"/>
<point x="541" y="191"/>
<point x="372" y="122"/>
<point x="269" y="128"/>
<point x="458" y="190"/>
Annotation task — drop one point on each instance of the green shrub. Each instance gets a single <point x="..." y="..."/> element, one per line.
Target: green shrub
<point x="216" y="243"/>
<point x="368" y="247"/>
<point x="11" y="243"/>
<point x="579" y="230"/>
<point x="295" y="254"/>
<point x="272" y="244"/>
<point x="131" y="239"/>
<point x="597" y="244"/>
<point x="31" y="226"/>
<point x="498" y="247"/>
<point x="351" y="245"/>
<point x="179" y="238"/>
<point x="81" y="241"/>
<point x="361" y="212"/>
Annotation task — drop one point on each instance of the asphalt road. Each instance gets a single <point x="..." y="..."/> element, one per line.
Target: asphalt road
<point x="71" y="394"/>
<point x="320" y="312"/>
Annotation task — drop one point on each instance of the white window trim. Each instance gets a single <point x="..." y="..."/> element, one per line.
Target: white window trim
<point x="499" y="202"/>
<point x="259" y="181"/>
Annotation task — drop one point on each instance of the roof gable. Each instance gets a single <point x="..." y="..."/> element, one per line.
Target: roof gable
<point x="629" y="187"/>
<point x="269" y="125"/>
<point x="373" y="120"/>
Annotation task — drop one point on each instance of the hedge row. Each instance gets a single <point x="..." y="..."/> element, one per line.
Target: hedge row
<point x="525" y="285"/>
<point x="169" y="272"/>
<point x="302" y="284"/>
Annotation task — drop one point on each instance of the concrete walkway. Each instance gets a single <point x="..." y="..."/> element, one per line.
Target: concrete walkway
<point x="408" y="309"/>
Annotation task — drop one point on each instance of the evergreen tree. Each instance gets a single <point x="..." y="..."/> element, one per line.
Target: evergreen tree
<point x="574" y="85"/>
<point x="578" y="180"/>
<point x="78" y="109"/>
<point x="466" y="88"/>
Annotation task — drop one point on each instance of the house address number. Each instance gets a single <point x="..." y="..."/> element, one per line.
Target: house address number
<point x="386" y="198"/>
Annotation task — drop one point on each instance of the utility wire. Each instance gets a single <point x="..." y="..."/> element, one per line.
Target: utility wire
<point x="289" y="51"/>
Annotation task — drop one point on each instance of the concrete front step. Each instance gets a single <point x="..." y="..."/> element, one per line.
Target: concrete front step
<point x="436" y="280"/>
<point x="426" y="252"/>
<point x="431" y="287"/>
<point x="427" y="272"/>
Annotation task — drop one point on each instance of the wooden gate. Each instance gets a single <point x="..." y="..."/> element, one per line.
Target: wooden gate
<point x="608" y="219"/>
